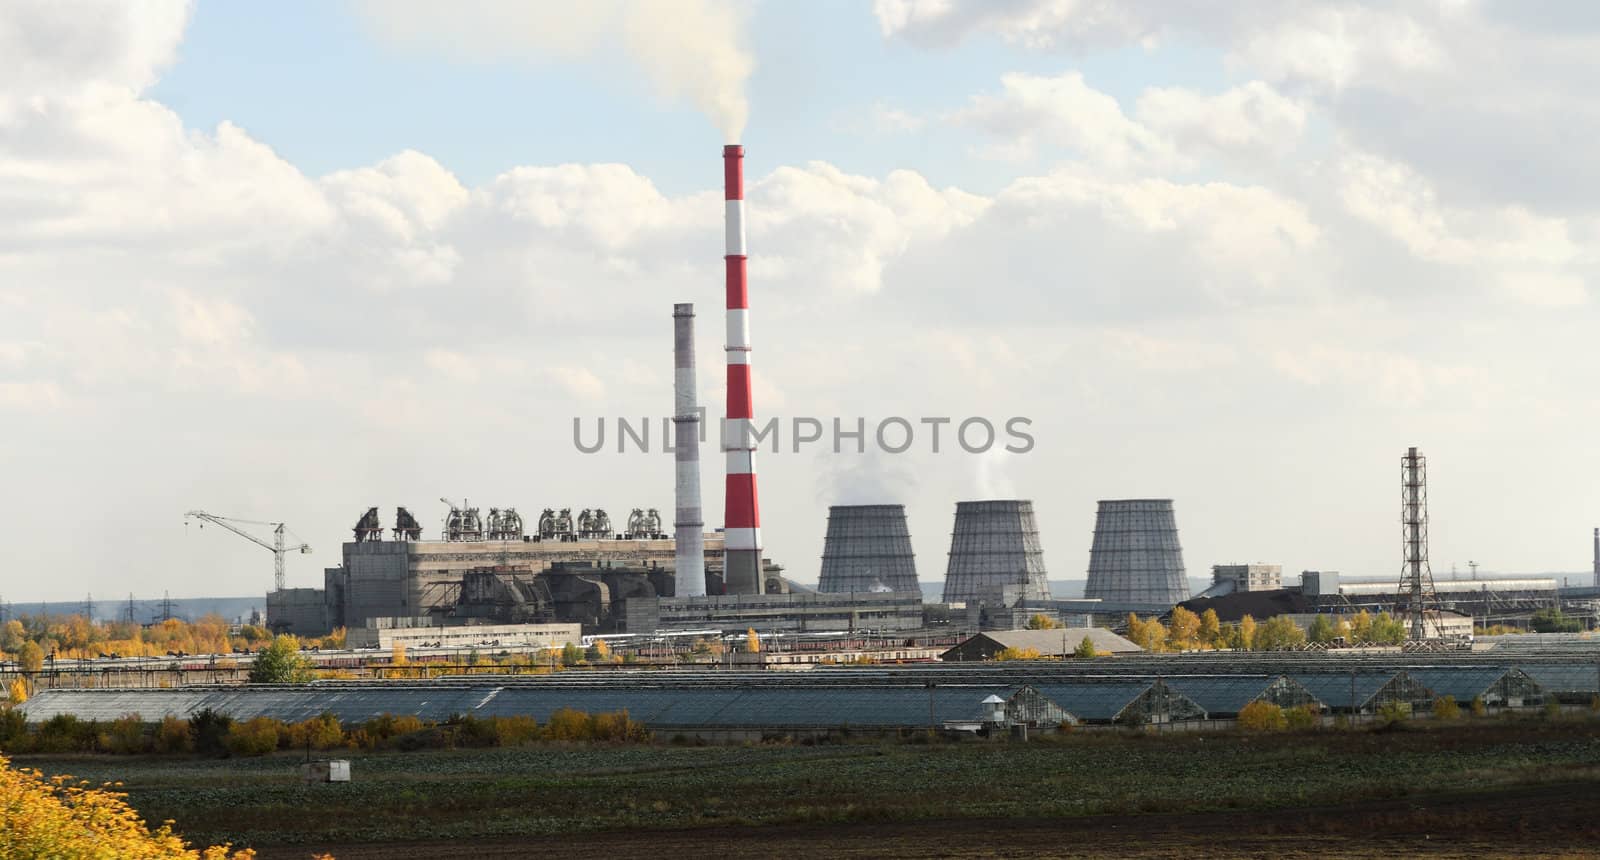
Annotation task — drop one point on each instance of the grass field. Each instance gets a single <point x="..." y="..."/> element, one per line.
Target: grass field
<point x="1444" y="788"/>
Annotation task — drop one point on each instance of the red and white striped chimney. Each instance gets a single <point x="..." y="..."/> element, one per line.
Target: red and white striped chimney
<point x="741" y="553"/>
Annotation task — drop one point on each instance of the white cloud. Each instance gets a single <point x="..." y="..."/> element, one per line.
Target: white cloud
<point x="1252" y="120"/>
<point x="1033" y="111"/>
<point x="389" y="333"/>
<point x="693" y="49"/>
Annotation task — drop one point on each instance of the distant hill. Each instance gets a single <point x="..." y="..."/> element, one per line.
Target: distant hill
<point x="145" y="611"/>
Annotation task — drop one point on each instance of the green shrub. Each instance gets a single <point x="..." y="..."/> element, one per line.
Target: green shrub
<point x="1303" y="717"/>
<point x="1394" y="712"/>
<point x="66" y="733"/>
<point x="13" y="730"/>
<point x="125" y="735"/>
<point x="208" y="731"/>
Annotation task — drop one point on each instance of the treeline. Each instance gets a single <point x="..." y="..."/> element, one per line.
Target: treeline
<point x="1186" y="631"/>
<point x="212" y="734"/>
<point x="31" y="639"/>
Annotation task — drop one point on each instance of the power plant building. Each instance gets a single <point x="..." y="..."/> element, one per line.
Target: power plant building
<point x="1136" y="559"/>
<point x="995" y="556"/>
<point x="867" y="548"/>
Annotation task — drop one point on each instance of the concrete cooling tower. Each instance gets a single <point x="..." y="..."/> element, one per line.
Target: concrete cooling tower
<point x="995" y="554"/>
<point x="868" y="548"/>
<point x="1136" y="558"/>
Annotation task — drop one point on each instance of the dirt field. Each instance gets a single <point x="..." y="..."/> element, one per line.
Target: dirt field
<point x="1560" y="820"/>
<point x="1481" y="788"/>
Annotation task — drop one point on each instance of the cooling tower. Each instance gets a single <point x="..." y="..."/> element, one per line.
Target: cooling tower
<point x="994" y="547"/>
<point x="1136" y="558"/>
<point x="868" y="548"/>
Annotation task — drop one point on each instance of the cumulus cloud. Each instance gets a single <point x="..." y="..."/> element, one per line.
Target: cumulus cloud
<point x="691" y="49"/>
<point x="389" y="333"/>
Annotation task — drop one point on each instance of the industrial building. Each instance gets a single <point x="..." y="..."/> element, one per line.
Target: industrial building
<point x="995" y="556"/>
<point x="1245" y="577"/>
<point x="867" y="548"/>
<point x="1136" y="558"/>
<point x="574" y="568"/>
<point x="425" y="632"/>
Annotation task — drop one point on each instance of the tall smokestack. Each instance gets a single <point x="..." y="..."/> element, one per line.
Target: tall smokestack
<point x="1597" y="558"/>
<point x="688" y="526"/>
<point x="741" y="555"/>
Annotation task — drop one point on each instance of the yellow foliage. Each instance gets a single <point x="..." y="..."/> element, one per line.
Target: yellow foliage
<point x="1259" y="716"/>
<point x="752" y="642"/>
<point x="1017" y="654"/>
<point x="256" y="736"/>
<point x="397" y="654"/>
<point x="17" y="693"/>
<point x="59" y="817"/>
<point x="1446" y="709"/>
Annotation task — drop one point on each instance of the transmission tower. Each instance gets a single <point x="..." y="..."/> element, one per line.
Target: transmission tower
<point x="166" y="606"/>
<point x="127" y="614"/>
<point x="88" y="607"/>
<point x="1417" y="595"/>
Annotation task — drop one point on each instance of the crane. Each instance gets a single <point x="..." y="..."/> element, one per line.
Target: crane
<point x="278" y="548"/>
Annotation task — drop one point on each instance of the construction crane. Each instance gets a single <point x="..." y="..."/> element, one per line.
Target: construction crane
<point x="278" y="548"/>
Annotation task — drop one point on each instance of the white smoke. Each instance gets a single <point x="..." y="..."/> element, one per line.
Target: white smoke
<point x="990" y="478"/>
<point x="870" y="478"/>
<point x="689" y="49"/>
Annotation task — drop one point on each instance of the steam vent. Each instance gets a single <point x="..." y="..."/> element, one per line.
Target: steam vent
<point x="1136" y="558"/>
<point x="995" y="546"/>
<point x="868" y="548"/>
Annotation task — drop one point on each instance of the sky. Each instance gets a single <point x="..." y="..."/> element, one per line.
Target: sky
<point x="287" y="262"/>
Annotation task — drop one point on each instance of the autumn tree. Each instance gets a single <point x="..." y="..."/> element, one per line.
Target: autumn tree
<point x="752" y="642"/>
<point x="1247" y="633"/>
<point x="62" y="817"/>
<point x="1321" y="630"/>
<point x="1387" y="630"/>
<point x="1361" y="628"/>
<point x="17" y="693"/>
<point x="1006" y="654"/>
<point x="1041" y="621"/>
<point x="397" y="653"/>
<point x="1149" y="635"/>
<point x="1182" y="629"/>
<point x="281" y="663"/>
<point x="1210" y="629"/>
<point x="1085" y="649"/>
<point x="571" y="654"/>
<point x="30" y="657"/>
<point x="1278" y="633"/>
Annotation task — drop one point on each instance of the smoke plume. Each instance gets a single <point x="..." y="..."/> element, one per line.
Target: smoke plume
<point x="687" y="49"/>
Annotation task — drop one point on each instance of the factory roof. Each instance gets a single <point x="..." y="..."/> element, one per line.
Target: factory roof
<point x="1052" y="643"/>
<point x="730" y="707"/>
<point x="1228" y="694"/>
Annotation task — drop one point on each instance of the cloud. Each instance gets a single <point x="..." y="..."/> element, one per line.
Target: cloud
<point x="1252" y="120"/>
<point x="690" y="49"/>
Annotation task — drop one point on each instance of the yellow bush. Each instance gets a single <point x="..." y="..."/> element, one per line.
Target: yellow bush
<point x="17" y="693"/>
<point x="172" y="736"/>
<point x="124" y="735"/>
<point x="1446" y="709"/>
<point x="58" y="817"/>
<point x="256" y="736"/>
<point x="514" y="731"/>
<point x="321" y="732"/>
<point x="1259" y="716"/>
<point x="1005" y="654"/>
